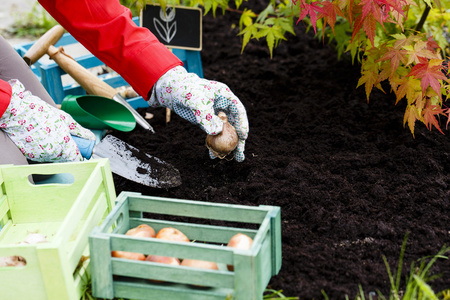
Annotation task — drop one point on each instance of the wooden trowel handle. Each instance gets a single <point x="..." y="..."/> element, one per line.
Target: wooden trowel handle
<point x="88" y="81"/>
<point x="40" y="47"/>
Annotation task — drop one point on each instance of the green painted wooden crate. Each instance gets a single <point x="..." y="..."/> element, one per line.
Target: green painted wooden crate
<point x="64" y="212"/>
<point x="122" y="278"/>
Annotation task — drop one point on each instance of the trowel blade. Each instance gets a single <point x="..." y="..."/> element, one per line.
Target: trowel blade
<point x="133" y="164"/>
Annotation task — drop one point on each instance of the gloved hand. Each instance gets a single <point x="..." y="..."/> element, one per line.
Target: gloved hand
<point x="41" y="131"/>
<point x="199" y="101"/>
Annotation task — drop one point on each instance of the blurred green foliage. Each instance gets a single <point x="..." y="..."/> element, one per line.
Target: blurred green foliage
<point x="32" y="23"/>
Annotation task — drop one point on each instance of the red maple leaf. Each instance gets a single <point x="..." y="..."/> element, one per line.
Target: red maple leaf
<point x="429" y="71"/>
<point x="370" y="7"/>
<point x="311" y="9"/>
<point x="368" y="24"/>
<point x="374" y="11"/>
<point x="432" y="45"/>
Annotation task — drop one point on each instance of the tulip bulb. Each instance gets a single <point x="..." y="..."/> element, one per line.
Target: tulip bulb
<point x="239" y="241"/>
<point x="225" y="142"/>
<point x="172" y="234"/>
<point x="142" y="230"/>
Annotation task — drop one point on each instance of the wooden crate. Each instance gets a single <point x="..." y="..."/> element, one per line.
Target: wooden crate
<point x="122" y="278"/>
<point x="65" y="213"/>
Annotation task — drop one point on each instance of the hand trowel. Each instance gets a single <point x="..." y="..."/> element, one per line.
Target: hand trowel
<point x="129" y="162"/>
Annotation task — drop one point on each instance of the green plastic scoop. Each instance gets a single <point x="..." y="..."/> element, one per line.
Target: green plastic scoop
<point x="96" y="112"/>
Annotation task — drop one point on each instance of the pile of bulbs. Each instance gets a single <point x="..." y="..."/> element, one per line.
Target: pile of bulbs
<point x="238" y="241"/>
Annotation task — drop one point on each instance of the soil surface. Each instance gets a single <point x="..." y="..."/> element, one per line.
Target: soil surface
<point x="351" y="181"/>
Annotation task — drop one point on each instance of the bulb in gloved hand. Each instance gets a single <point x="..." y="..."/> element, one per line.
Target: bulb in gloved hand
<point x="223" y="143"/>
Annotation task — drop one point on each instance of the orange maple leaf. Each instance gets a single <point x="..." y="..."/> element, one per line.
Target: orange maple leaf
<point x="429" y="71"/>
<point x="395" y="56"/>
<point x="330" y="11"/>
<point x="408" y="88"/>
<point x="447" y="111"/>
<point x="417" y="51"/>
<point x="429" y="116"/>
<point x="410" y="117"/>
<point x="405" y="41"/>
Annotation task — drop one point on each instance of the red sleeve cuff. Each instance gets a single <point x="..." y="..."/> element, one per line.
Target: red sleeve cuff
<point x="5" y="96"/>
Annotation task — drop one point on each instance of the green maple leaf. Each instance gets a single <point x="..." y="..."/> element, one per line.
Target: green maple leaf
<point x="285" y="25"/>
<point x="265" y="13"/>
<point x="212" y="5"/>
<point x="246" y="18"/>
<point x="248" y="32"/>
<point x="370" y="77"/>
<point x="273" y="33"/>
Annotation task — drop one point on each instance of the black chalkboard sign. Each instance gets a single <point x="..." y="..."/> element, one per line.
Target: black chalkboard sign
<point x="179" y="27"/>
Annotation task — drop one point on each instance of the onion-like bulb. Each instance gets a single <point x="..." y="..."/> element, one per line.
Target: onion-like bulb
<point x="239" y="241"/>
<point x="225" y="142"/>
<point x="142" y="230"/>
<point x="172" y="234"/>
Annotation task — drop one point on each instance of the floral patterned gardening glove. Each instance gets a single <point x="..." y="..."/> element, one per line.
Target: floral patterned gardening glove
<point x="41" y="131"/>
<point x="199" y="101"/>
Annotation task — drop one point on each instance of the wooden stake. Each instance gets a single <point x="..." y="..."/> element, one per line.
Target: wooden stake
<point x="168" y="111"/>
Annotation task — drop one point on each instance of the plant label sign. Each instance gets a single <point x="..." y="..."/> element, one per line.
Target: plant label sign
<point x="176" y="27"/>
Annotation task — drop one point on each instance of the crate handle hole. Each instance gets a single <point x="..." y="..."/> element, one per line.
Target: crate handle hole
<point x="59" y="178"/>
<point x="13" y="261"/>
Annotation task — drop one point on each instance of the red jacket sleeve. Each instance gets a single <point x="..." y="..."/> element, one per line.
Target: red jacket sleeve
<point x="5" y="96"/>
<point x="107" y="30"/>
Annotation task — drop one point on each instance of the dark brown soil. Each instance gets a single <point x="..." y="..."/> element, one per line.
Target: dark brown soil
<point x="350" y="180"/>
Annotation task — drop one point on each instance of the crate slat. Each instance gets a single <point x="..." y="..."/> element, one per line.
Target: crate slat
<point x="148" y="270"/>
<point x="198" y="209"/>
<point x="144" y="290"/>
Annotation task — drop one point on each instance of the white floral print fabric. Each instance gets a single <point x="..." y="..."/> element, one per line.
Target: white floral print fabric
<point x="41" y="131"/>
<point x="199" y="101"/>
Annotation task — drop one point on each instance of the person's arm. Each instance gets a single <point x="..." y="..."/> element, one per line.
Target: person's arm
<point x="107" y="30"/>
<point x="41" y="131"/>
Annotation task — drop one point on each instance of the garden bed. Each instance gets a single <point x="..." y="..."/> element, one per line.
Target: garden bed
<point x="350" y="180"/>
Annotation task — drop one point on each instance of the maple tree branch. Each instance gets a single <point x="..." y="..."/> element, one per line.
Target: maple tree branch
<point x="234" y="10"/>
<point x="423" y="18"/>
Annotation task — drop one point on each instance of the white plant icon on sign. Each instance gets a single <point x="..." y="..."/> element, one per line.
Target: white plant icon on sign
<point x="166" y="31"/>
